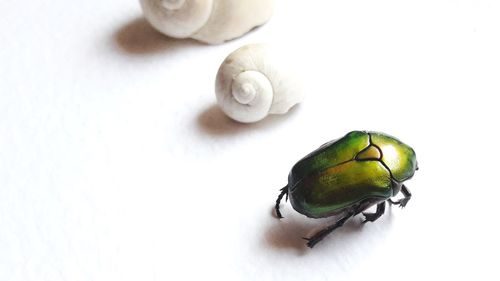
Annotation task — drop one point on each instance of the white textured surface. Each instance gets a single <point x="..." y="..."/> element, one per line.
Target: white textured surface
<point x="115" y="163"/>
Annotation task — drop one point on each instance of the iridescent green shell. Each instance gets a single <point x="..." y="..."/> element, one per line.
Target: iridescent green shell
<point x="345" y="172"/>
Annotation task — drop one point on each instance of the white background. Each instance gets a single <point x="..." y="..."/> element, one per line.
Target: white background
<point x="115" y="163"/>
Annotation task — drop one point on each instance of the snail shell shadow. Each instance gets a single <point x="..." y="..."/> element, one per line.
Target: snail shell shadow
<point x="287" y="233"/>
<point x="213" y="121"/>
<point x="138" y="37"/>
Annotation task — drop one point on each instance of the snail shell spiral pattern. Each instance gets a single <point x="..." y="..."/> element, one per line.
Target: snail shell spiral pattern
<point x="255" y="81"/>
<point x="209" y="21"/>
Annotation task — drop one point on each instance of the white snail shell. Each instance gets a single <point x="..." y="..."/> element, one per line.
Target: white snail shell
<point x="255" y="81"/>
<point x="210" y="21"/>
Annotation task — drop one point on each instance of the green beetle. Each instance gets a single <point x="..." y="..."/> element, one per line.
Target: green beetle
<point x="347" y="176"/>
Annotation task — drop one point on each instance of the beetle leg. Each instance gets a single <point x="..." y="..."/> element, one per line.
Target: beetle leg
<point x="324" y="232"/>
<point x="371" y="217"/>
<point x="402" y="202"/>
<point x="284" y="191"/>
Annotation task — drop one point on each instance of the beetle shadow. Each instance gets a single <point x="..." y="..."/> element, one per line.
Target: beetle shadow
<point x="213" y="121"/>
<point x="288" y="232"/>
<point x="138" y="37"/>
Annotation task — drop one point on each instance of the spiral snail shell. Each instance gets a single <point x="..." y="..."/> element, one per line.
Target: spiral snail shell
<point x="210" y="21"/>
<point x="255" y="81"/>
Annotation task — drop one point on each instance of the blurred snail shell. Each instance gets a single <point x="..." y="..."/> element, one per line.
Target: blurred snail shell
<point x="255" y="81"/>
<point x="210" y="21"/>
